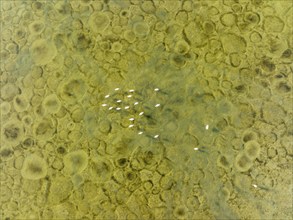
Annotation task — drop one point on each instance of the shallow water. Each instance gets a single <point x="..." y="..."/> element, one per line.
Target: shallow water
<point x="155" y="109"/>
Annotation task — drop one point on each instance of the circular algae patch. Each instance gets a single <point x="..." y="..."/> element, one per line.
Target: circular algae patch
<point x="43" y="52"/>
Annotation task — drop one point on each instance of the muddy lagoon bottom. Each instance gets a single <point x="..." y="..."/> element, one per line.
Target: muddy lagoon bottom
<point x="146" y="110"/>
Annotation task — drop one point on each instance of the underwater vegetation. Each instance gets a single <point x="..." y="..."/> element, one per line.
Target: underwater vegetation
<point x="146" y="109"/>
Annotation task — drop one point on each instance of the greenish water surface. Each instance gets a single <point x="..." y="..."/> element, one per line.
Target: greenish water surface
<point x="146" y="109"/>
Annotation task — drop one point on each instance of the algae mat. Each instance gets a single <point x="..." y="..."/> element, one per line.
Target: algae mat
<point x="146" y="109"/>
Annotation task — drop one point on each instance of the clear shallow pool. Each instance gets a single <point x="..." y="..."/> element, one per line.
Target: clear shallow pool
<point x="146" y="109"/>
